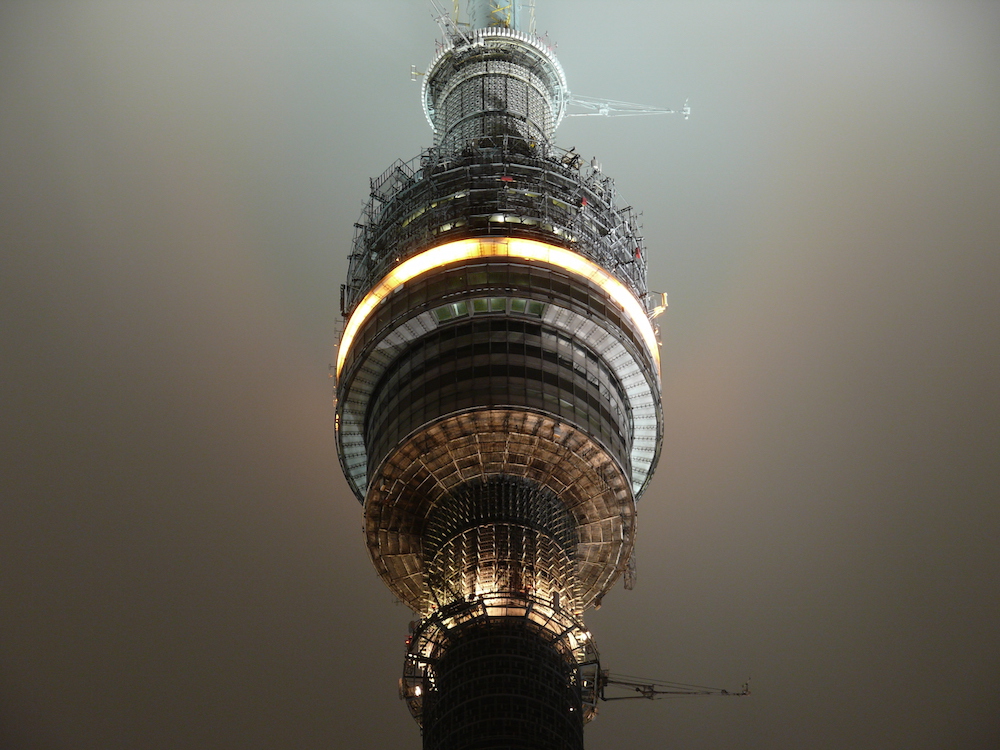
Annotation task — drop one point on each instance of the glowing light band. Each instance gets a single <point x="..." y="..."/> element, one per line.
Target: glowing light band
<point x="498" y="247"/>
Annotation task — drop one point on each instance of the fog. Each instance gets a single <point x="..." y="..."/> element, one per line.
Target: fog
<point x="181" y="561"/>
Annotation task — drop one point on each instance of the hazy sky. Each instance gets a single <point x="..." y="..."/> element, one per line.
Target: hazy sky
<point x="181" y="562"/>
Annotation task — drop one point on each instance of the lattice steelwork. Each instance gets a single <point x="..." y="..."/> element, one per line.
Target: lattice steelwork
<point x="498" y="404"/>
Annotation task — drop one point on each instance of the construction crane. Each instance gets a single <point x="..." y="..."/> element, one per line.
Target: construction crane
<point x="653" y="689"/>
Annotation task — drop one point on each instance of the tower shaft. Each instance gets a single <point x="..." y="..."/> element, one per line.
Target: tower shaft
<point x="503" y="684"/>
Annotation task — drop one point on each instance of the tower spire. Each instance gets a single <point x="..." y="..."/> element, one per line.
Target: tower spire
<point x="505" y="14"/>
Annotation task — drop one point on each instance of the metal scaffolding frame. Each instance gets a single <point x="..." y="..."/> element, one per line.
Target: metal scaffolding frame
<point x="504" y="188"/>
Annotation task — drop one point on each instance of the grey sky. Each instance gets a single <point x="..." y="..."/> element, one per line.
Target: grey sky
<point x="181" y="562"/>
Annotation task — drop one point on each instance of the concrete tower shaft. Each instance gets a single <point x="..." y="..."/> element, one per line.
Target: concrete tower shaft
<point x="495" y="14"/>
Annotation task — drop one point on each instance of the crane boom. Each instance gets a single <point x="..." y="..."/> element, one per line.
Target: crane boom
<point x="653" y="689"/>
<point x="613" y="108"/>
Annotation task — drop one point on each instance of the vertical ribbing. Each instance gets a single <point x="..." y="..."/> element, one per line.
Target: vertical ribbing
<point x="502" y="534"/>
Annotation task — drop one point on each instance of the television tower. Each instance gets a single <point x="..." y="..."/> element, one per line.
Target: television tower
<point x="498" y="398"/>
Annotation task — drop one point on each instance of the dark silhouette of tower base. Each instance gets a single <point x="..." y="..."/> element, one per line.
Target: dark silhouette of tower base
<point x="498" y="407"/>
<point x="502" y="683"/>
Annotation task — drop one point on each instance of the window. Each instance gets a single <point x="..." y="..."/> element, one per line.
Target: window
<point x="453" y="310"/>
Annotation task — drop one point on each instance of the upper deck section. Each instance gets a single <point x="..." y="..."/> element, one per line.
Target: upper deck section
<point x="505" y="189"/>
<point x="494" y="81"/>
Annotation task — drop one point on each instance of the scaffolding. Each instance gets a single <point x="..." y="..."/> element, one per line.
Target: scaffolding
<point x="499" y="187"/>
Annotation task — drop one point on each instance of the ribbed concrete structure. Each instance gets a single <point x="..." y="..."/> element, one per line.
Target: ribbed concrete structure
<point x="498" y="398"/>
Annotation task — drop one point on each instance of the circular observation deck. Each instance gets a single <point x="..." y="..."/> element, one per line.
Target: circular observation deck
<point x="498" y="357"/>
